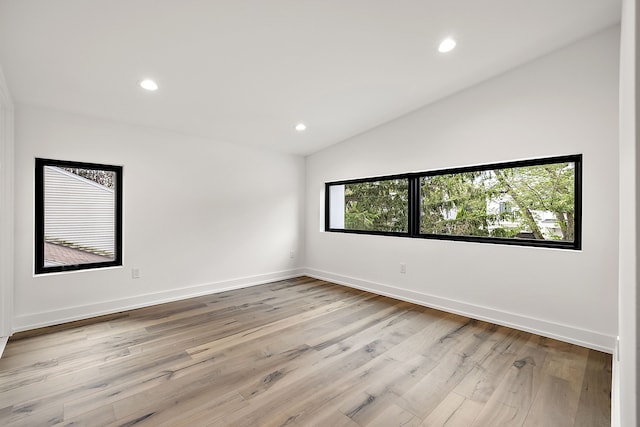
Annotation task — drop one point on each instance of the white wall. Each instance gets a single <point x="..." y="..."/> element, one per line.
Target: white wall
<point x="199" y="216"/>
<point x="626" y="372"/>
<point x="563" y="103"/>
<point x="6" y="211"/>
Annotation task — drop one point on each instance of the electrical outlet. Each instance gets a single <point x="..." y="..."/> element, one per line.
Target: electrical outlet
<point x="135" y="273"/>
<point x="403" y="267"/>
<point x="292" y="254"/>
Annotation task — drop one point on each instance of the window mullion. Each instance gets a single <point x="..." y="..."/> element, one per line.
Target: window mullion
<point x="414" y="205"/>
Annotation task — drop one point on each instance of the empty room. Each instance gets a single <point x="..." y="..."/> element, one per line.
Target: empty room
<point x="318" y="213"/>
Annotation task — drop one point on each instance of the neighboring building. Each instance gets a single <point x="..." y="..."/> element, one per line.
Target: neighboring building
<point x="546" y="220"/>
<point x="80" y="213"/>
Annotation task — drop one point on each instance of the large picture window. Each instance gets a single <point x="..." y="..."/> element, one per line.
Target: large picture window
<point x="532" y="202"/>
<point x="78" y="222"/>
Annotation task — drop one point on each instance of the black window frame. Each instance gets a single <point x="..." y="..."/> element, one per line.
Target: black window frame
<point x="414" y="204"/>
<point x="374" y="232"/>
<point x="40" y="164"/>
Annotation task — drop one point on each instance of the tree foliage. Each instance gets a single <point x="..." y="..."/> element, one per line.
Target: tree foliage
<point x="547" y="188"/>
<point x="499" y="203"/>
<point x="456" y="204"/>
<point x="379" y="206"/>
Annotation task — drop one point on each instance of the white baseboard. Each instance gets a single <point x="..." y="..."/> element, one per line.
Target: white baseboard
<point x="3" y="344"/>
<point x="570" y="334"/>
<point x="582" y="337"/>
<point x="70" y="314"/>
<point x="615" y="387"/>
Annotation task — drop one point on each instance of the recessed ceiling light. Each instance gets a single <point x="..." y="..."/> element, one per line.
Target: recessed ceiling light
<point x="149" y="84"/>
<point x="301" y="127"/>
<point x="447" y="45"/>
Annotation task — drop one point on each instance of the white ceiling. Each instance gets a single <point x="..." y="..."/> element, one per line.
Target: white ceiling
<point x="246" y="71"/>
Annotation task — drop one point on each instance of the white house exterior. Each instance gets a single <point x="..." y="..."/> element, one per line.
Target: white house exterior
<point x="546" y="221"/>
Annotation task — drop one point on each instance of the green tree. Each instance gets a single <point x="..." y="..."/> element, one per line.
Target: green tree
<point x="457" y="204"/>
<point x="542" y="188"/>
<point x="377" y="206"/>
<point x="464" y="204"/>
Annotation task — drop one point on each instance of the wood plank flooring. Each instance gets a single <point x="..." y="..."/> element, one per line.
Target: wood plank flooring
<point x="299" y="352"/>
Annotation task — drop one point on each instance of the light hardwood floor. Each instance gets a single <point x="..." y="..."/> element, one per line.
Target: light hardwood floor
<point x="299" y="352"/>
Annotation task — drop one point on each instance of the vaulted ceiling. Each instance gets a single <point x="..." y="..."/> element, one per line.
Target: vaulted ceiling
<point x="247" y="71"/>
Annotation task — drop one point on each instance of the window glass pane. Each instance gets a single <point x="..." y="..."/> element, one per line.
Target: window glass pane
<point x="530" y="202"/>
<point x="337" y="203"/>
<point x="380" y="206"/>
